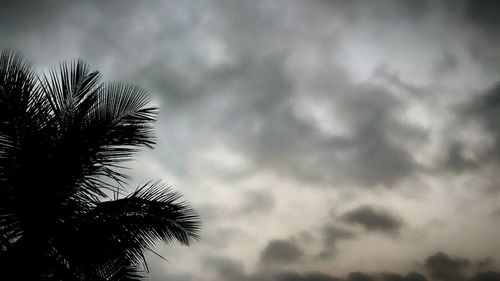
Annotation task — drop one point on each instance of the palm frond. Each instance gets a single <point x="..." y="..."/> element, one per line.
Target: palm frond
<point x="95" y="127"/>
<point x="135" y="223"/>
<point x="18" y="94"/>
<point x="109" y="240"/>
<point x="67" y="88"/>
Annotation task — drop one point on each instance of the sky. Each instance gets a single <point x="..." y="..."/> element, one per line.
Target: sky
<point x="318" y="140"/>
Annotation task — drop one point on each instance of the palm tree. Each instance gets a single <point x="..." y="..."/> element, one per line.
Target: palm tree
<point x="63" y="139"/>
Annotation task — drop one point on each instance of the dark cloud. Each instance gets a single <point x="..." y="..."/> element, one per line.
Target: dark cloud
<point x="457" y="160"/>
<point x="392" y="277"/>
<point x="249" y="103"/>
<point x="483" y="13"/>
<point x="484" y="109"/>
<point x="484" y="264"/>
<point x="296" y="148"/>
<point x="280" y="252"/>
<point x="331" y="236"/>
<point x="359" y="276"/>
<point x="486" y="276"/>
<point x="482" y="16"/>
<point x="415" y="276"/>
<point x="352" y="276"/>
<point x="374" y="219"/>
<point x="411" y="276"/>
<point x="20" y="16"/>
<point x="308" y="276"/>
<point x="442" y="267"/>
<point x="439" y="266"/>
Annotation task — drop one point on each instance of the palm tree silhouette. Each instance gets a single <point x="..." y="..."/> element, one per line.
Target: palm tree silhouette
<point x="63" y="140"/>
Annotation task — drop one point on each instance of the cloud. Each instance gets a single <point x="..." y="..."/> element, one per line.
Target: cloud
<point x="308" y="276"/>
<point x="280" y="252"/>
<point x="359" y="276"/>
<point x="486" y="276"/>
<point x="477" y="148"/>
<point x="486" y="108"/>
<point x="374" y="219"/>
<point x="331" y="236"/>
<point x="220" y="238"/>
<point x="225" y="267"/>
<point x="257" y="202"/>
<point x="483" y="13"/>
<point x="442" y="267"/>
<point x="286" y="141"/>
<point x="411" y="276"/>
<point x="252" y="101"/>
<point x="174" y="277"/>
<point x="484" y="264"/>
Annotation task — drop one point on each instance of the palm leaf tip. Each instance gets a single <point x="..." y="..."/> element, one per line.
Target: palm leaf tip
<point x="181" y="221"/>
<point x="137" y="222"/>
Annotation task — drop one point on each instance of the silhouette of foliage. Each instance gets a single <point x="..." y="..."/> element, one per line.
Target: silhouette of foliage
<point x="63" y="139"/>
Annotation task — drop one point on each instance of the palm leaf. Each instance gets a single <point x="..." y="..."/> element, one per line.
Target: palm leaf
<point x="134" y="223"/>
<point x="95" y="127"/>
<point x="116" y="233"/>
<point x="18" y="94"/>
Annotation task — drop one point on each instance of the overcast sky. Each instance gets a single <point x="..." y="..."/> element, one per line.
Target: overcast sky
<point x="317" y="139"/>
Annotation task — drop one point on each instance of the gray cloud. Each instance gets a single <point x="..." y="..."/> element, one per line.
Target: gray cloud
<point x="331" y="236"/>
<point x="308" y="276"/>
<point x="447" y="65"/>
<point x="439" y="266"/>
<point x="220" y="238"/>
<point x="257" y="202"/>
<point x="296" y="148"/>
<point x="481" y="17"/>
<point x="227" y="268"/>
<point x="484" y="264"/>
<point x="374" y="219"/>
<point x="486" y="276"/>
<point x="484" y="110"/>
<point x="280" y="252"/>
<point x="249" y="103"/>
<point x="359" y="276"/>
<point x="411" y="276"/>
<point x="174" y="277"/>
<point x="483" y="13"/>
<point x="20" y="16"/>
<point x="456" y="159"/>
<point x="442" y="267"/>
